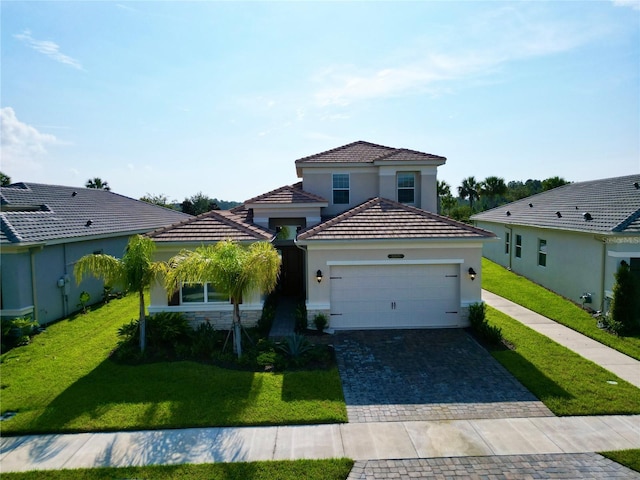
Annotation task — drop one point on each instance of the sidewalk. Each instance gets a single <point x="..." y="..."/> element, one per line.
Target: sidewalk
<point x="370" y="441"/>
<point x="618" y="363"/>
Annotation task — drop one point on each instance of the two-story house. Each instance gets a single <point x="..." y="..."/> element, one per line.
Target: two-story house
<point x="358" y="240"/>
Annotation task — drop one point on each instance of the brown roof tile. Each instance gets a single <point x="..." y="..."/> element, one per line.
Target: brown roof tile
<point x="213" y="226"/>
<point x="288" y="194"/>
<point x="382" y="219"/>
<point x="365" y="152"/>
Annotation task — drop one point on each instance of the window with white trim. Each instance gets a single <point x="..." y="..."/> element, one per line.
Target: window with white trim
<point x="201" y="293"/>
<point x="518" y="246"/>
<point x="340" y="188"/>
<point x="507" y="242"/>
<point x="406" y="187"/>
<point x="542" y="252"/>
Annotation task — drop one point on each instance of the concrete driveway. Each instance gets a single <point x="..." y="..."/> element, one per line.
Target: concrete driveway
<point x="442" y="374"/>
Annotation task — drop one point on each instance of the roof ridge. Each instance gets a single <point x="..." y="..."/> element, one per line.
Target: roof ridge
<point x="622" y="226"/>
<point x="342" y="147"/>
<point x="9" y="231"/>
<point x="339" y="218"/>
<point x="284" y="188"/>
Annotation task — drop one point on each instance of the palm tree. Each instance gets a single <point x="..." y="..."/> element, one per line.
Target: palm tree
<point x="232" y="269"/>
<point x="444" y="190"/>
<point x="97" y="183"/>
<point x="469" y="189"/>
<point x="493" y="187"/>
<point x="135" y="271"/>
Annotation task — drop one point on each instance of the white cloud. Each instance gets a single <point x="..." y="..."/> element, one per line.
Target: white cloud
<point x="48" y="48"/>
<point x="635" y="4"/>
<point x="21" y="144"/>
<point x="480" y="49"/>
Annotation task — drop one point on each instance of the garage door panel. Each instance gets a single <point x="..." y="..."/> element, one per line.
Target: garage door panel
<point x="394" y="296"/>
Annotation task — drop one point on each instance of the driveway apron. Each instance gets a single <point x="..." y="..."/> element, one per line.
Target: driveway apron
<point x="434" y="374"/>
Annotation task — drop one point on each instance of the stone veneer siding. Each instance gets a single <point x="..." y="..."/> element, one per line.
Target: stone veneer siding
<point x="222" y="320"/>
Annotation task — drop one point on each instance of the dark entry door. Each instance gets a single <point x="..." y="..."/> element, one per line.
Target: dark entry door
<point x="291" y="273"/>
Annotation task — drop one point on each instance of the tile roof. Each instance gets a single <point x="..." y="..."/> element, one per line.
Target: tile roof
<point x="33" y="212"/>
<point x="365" y="152"/>
<point x="289" y="194"/>
<point x="382" y="219"/>
<point x="610" y="205"/>
<point x="213" y="226"/>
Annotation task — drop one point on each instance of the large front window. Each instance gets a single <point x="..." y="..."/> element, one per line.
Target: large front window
<point x="201" y="293"/>
<point x="406" y="187"/>
<point x="340" y="188"/>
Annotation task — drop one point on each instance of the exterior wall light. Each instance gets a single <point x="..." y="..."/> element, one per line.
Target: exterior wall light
<point x="319" y="276"/>
<point x="472" y="274"/>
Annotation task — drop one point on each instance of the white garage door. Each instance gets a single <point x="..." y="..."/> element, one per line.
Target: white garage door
<point x="394" y="296"/>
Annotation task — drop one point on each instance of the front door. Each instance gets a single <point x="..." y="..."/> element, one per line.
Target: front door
<point x="291" y="280"/>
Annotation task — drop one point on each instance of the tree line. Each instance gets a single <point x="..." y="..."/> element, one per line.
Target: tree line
<point x="475" y="196"/>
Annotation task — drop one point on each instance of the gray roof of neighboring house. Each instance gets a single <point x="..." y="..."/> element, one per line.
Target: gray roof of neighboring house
<point x="610" y="205"/>
<point x="34" y="212"/>
<point x="289" y="194"/>
<point x="365" y="152"/>
<point x="213" y="226"/>
<point x="382" y="219"/>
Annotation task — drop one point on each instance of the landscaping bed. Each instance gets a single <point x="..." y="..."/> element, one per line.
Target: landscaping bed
<point x="65" y="381"/>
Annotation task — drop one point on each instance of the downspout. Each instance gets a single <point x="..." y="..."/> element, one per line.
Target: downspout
<point x="602" y="273"/>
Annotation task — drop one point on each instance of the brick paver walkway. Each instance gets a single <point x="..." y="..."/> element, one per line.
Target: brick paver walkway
<point x="523" y="467"/>
<point x="407" y="375"/>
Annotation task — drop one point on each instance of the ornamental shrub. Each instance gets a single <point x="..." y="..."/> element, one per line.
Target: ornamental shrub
<point x="625" y="305"/>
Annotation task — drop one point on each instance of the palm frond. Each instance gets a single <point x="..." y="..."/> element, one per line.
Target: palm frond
<point x="102" y="266"/>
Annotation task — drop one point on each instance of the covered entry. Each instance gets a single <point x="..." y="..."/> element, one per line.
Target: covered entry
<point x="395" y="296"/>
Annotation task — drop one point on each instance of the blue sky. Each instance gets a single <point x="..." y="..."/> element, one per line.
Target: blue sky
<point x="175" y="98"/>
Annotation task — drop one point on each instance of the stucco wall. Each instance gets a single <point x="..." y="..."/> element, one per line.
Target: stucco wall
<point x="51" y="264"/>
<point x="464" y="254"/>
<point x="577" y="263"/>
<point x="363" y="185"/>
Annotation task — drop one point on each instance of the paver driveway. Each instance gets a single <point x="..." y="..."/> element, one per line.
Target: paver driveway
<point x="402" y="375"/>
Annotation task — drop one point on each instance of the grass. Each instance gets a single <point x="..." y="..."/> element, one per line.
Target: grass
<point x="65" y="382"/>
<point x="567" y="383"/>
<point x="522" y="291"/>
<point x="628" y="458"/>
<point x="335" y="469"/>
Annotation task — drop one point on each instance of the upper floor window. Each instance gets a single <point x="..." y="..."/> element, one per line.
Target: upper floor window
<point x="340" y="188"/>
<point x="201" y="293"/>
<point x="406" y="187"/>
<point x="518" y="246"/>
<point x="542" y="252"/>
<point x="507" y="242"/>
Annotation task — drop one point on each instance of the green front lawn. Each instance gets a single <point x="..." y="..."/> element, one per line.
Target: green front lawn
<point x="518" y="289"/>
<point x="65" y="382"/>
<point x="566" y="382"/>
<point x="336" y="469"/>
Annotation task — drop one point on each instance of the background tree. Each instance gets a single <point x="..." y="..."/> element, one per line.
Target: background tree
<point x="469" y="189"/>
<point x="135" y="272"/>
<point x="553" y="182"/>
<point x="161" y="200"/>
<point x="444" y="190"/>
<point x="232" y="269"/>
<point x="198" y="203"/>
<point x="492" y="188"/>
<point x="98" y="183"/>
<point x="4" y="179"/>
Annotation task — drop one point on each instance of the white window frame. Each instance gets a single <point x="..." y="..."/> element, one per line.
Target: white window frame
<point x="412" y="188"/>
<point x="206" y="296"/>
<point x="335" y="189"/>
<point x="542" y="252"/>
<point x="518" y="251"/>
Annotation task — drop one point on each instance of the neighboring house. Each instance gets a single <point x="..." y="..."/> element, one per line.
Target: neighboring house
<point x="357" y="240"/>
<point x="570" y="239"/>
<point x="45" y="229"/>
